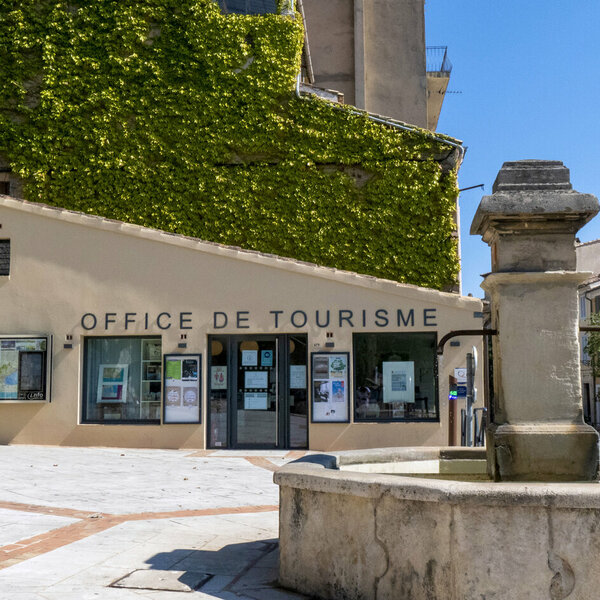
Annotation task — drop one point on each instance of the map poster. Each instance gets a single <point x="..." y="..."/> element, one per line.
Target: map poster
<point x="182" y="388"/>
<point x="9" y="373"/>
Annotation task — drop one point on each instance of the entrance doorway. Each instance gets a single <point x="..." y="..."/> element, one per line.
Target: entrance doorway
<point x="258" y="391"/>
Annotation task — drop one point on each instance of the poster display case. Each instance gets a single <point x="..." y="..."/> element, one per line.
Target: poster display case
<point x="25" y="368"/>
<point x="182" y="388"/>
<point x="330" y="384"/>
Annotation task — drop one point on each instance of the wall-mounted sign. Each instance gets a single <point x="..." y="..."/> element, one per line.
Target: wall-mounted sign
<point x="24" y="368"/>
<point x="393" y="317"/>
<point x="330" y="397"/>
<point x="182" y="389"/>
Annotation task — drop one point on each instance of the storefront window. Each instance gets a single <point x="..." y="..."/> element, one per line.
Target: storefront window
<point x="123" y="380"/>
<point x="218" y="373"/>
<point x="395" y="377"/>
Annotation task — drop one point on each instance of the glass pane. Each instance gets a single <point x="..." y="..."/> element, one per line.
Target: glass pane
<point x="298" y="397"/>
<point x="123" y="379"/>
<point x="395" y="377"/>
<point x="248" y="7"/>
<point x="218" y="386"/>
<point x="257" y="399"/>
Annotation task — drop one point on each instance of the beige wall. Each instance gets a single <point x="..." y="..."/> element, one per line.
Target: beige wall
<point x="65" y="265"/>
<point x="374" y="52"/>
<point x="588" y="257"/>
<point x="330" y="32"/>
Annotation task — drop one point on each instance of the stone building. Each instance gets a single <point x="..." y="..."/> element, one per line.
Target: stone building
<point x="113" y="334"/>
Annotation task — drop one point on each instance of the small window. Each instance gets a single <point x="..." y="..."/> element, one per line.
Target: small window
<point x="597" y="304"/>
<point x="4" y="257"/>
<point x="249" y="7"/>
<point x="585" y="357"/>
<point x="123" y="380"/>
<point x="395" y="377"/>
<point x="582" y="314"/>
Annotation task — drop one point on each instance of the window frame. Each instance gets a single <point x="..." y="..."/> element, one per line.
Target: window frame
<point x="355" y="381"/>
<point x="47" y="366"/>
<point x="84" y="382"/>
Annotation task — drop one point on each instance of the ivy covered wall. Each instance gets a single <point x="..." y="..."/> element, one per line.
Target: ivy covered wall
<point x="172" y="115"/>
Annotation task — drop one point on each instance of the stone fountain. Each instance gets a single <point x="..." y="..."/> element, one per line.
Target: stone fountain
<point x="355" y="526"/>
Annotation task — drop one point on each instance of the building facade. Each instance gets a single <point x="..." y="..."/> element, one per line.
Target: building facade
<point x="588" y="259"/>
<point x="118" y="335"/>
<point x="374" y="52"/>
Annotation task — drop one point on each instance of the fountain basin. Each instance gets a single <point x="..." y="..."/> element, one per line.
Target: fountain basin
<point x="425" y="528"/>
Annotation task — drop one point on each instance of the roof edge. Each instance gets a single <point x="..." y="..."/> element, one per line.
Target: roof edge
<point x="233" y="252"/>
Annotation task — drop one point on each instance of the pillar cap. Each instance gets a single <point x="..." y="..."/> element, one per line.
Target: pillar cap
<point x="533" y="194"/>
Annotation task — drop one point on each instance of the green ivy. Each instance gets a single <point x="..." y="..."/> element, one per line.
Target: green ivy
<point x="169" y="114"/>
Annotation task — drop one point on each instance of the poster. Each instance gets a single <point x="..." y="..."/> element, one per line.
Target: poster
<point x="330" y="398"/>
<point x="218" y="378"/>
<point x="256" y="400"/>
<point x="173" y="369"/>
<point x="112" y="384"/>
<point x="182" y="400"/>
<point x="266" y="358"/>
<point x="399" y="381"/>
<point x="249" y="358"/>
<point x="297" y="377"/>
<point x="256" y="379"/>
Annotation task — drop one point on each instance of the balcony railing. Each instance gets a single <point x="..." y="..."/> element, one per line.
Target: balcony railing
<point x="437" y="60"/>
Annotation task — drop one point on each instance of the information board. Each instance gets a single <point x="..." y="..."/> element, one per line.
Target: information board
<point x="24" y="368"/>
<point x="182" y="388"/>
<point x="330" y="395"/>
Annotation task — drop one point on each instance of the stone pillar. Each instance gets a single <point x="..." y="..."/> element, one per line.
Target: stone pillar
<point x="536" y="430"/>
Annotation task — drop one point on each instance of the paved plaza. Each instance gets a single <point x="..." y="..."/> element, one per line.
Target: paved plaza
<point x="123" y="524"/>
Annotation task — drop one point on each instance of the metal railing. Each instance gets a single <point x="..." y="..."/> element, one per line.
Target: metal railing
<point x="437" y="59"/>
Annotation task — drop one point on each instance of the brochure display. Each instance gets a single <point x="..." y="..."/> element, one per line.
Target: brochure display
<point x="330" y="398"/>
<point x="23" y="368"/>
<point x="182" y="392"/>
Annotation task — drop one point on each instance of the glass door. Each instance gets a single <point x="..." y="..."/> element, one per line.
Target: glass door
<point x="256" y="418"/>
<point x="258" y="391"/>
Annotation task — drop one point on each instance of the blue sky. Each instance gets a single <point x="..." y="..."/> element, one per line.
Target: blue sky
<point x="529" y="73"/>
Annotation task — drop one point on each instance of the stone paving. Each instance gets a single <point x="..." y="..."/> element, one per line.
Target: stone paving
<point x="123" y="524"/>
